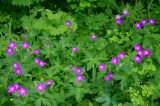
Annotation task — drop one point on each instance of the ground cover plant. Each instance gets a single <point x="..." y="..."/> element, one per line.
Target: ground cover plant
<point x="79" y="53"/>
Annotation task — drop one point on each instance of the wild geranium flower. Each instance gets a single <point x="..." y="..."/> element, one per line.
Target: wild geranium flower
<point x="73" y="67"/>
<point x="11" y="88"/>
<point x="118" y="21"/>
<point x="138" y="24"/>
<point x="25" y="44"/>
<point x="146" y="51"/>
<point x="144" y="21"/>
<point x="121" y="54"/>
<point x="36" y="51"/>
<point x="41" y="63"/>
<point x="151" y="21"/>
<point x="137" y="47"/>
<point x="137" y="58"/>
<point x="36" y="60"/>
<point x="24" y="37"/>
<point x="9" y="50"/>
<point x="140" y="52"/>
<point x="15" y="64"/>
<point x="118" y="16"/>
<point x="16" y="85"/>
<point x="109" y="73"/>
<point x="17" y="95"/>
<point x="48" y="82"/>
<point x="10" y="54"/>
<point x="12" y="44"/>
<point x="79" y="77"/>
<point x="93" y="36"/>
<point x="22" y="90"/>
<point x="78" y="70"/>
<point x="125" y="12"/>
<point x="18" y="71"/>
<point x="108" y="77"/>
<point x="70" y="30"/>
<point x="40" y="87"/>
<point x="74" y="48"/>
<point x="114" y="60"/>
<point x="47" y="42"/>
<point x="68" y="23"/>
<point x="101" y="66"/>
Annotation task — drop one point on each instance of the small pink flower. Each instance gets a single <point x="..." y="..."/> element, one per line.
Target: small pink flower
<point x="93" y="36"/>
<point x="12" y="44"/>
<point x="140" y="52"/>
<point x="78" y="70"/>
<point x="73" y="67"/>
<point x="121" y="54"/>
<point x="36" y="60"/>
<point x="118" y="21"/>
<point x="138" y="24"/>
<point x="18" y="71"/>
<point x="25" y="44"/>
<point x="47" y="42"/>
<point x="74" y="48"/>
<point x="79" y="77"/>
<point x="146" y="51"/>
<point x="108" y="77"/>
<point x="40" y="87"/>
<point x="70" y="30"/>
<point x="101" y="66"/>
<point x="11" y="88"/>
<point x="48" y="82"/>
<point x="36" y="51"/>
<point x="125" y="12"/>
<point x="144" y="21"/>
<point x="114" y="60"/>
<point x="41" y="63"/>
<point x="9" y="50"/>
<point x="151" y="21"/>
<point x="137" y="58"/>
<point x="15" y="64"/>
<point x="137" y="47"/>
<point x="68" y="23"/>
<point x="22" y="90"/>
<point x="118" y="16"/>
<point x="24" y="37"/>
<point x="16" y="85"/>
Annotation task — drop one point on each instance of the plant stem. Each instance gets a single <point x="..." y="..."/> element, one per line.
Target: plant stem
<point x="94" y="74"/>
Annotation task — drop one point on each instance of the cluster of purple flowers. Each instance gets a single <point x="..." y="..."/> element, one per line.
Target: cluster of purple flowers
<point x="118" y="16"/>
<point x="108" y="76"/>
<point x="93" y="36"/>
<point x="144" y="21"/>
<point x="140" y="52"/>
<point x="74" y="48"/>
<point x="16" y="65"/>
<point x="115" y="59"/>
<point x="41" y="87"/>
<point x="10" y="48"/>
<point x="38" y="61"/>
<point x="15" y="86"/>
<point x="68" y="23"/>
<point x="78" y="70"/>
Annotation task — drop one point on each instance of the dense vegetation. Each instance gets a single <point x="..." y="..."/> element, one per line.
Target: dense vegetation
<point x="79" y="53"/>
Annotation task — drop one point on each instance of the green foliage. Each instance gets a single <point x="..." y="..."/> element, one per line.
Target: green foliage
<point x="25" y="2"/>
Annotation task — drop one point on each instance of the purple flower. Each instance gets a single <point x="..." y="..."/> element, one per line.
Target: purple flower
<point x="48" y="82"/>
<point x="109" y="73"/>
<point x="41" y="63"/>
<point x="15" y="64"/>
<point x="30" y="52"/>
<point x="22" y="90"/>
<point x="18" y="71"/>
<point x="11" y="88"/>
<point x="40" y="87"/>
<point x="144" y="21"/>
<point x="79" y="77"/>
<point x="16" y="85"/>
<point x="138" y="24"/>
<point x="10" y="54"/>
<point x="17" y="96"/>
<point x="9" y="79"/>
<point x="108" y="77"/>
<point x="151" y="21"/>
<point x="9" y="50"/>
<point x="36" y="51"/>
<point x="24" y="37"/>
<point x="114" y="60"/>
<point x="101" y="66"/>
<point x="25" y="44"/>
<point x="36" y="60"/>
<point x="137" y="47"/>
<point x="121" y="54"/>
<point x="47" y="42"/>
<point x="118" y="16"/>
<point x="70" y="30"/>
<point x="137" y="58"/>
<point x="68" y="23"/>
<point x="74" y="48"/>
<point x="72" y="68"/>
<point x="4" y="50"/>
<point x="146" y="51"/>
<point x="118" y="21"/>
<point x="78" y="70"/>
<point x="93" y="36"/>
<point x="125" y="12"/>
<point x="12" y="44"/>
<point x="140" y="52"/>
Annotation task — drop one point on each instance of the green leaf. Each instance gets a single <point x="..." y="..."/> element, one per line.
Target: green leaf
<point x="45" y="102"/>
<point x="38" y="102"/>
